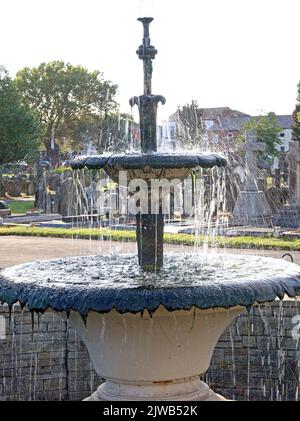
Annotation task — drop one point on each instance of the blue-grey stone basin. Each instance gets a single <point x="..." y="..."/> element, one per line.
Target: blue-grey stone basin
<point x="153" y="160"/>
<point x="105" y="282"/>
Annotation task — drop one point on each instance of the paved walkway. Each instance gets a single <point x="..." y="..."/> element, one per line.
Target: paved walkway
<point x="15" y="249"/>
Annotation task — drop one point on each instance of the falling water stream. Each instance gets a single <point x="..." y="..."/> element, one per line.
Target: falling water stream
<point x="208" y="218"/>
<point x="274" y="359"/>
<point x="209" y="222"/>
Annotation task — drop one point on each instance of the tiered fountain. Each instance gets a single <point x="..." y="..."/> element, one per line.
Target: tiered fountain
<point x="150" y="325"/>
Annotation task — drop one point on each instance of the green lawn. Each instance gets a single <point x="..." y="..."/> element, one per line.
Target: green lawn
<point x="21" y="206"/>
<point x="186" y="239"/>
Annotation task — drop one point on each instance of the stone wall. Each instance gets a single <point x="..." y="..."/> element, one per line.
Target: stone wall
<point x="257" y="358"/>
<point x="49" y="364"/>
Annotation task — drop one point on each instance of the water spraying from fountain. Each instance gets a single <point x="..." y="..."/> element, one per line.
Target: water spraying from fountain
<point x="150" y="165"/>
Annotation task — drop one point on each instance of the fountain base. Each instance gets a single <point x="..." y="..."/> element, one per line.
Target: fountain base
<point x="158" y="357"/>
<point x="191" y="389"/>
<point x="150" y="336"/>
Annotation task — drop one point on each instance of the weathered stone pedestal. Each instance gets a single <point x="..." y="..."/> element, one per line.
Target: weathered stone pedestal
<point x="192" y="389"/>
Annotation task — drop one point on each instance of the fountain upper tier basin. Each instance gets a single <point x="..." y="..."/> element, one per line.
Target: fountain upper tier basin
<point x="102" y="283"/>
<point x="152" y="165"/>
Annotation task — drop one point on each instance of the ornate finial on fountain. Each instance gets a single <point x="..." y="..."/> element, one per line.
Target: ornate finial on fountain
<point x="147" y="103"/>
<point x="147" y="53"/>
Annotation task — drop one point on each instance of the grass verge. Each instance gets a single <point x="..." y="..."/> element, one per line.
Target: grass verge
<point x="185" y="239"/>
<point x="21" y="206"/>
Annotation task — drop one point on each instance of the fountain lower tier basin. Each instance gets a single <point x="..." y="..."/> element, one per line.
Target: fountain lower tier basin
<point x="105" y="282"/>
<point x="149" y="166"/>
<point x="157" y="357"/>
<point x="150" y="336"/>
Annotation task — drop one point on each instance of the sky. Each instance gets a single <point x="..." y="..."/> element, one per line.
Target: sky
<point x="238" y="53"/>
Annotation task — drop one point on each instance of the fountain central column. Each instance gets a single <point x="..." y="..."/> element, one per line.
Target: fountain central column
<point x="150" y="227"/>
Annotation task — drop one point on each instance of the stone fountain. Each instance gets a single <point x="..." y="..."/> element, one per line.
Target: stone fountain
<point x="150" y="323"/>
<point x="149" y="164"/>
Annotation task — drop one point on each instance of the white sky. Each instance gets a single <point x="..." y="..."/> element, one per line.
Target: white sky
<point x="239" y="53"/>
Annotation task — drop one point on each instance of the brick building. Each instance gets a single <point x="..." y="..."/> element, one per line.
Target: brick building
<point x="219" y="126"/>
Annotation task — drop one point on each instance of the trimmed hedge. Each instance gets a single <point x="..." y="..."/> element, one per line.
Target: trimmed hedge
<point x="185" y="239"/>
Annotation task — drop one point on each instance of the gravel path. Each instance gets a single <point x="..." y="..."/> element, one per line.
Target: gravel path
<point x="16" y="249"/>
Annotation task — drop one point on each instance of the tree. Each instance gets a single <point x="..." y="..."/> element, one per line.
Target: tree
<point x="267" y="130"/>
<point x="64" y="95"/>
<point x="114" y="133"/>
<point x="296" y="118"/>
<point x="109" y="133"/>
<point x="189" y="125"/>
<point x="19" y="127"/>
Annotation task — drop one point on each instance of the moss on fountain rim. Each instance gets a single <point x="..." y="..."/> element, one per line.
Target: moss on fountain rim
<point x="102" y="283"/>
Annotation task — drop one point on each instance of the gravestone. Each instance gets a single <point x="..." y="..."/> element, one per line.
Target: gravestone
<point x="276" y="198"/>
<point x="4" y="209"/>
<point x="2" y="189"/>
<point x="13" y="186"/>
<point x="55" y="181"/>
<point x="3" y="205"/>
<point x="23" y="181"/>
<point x="284" y="166"/>
<point x="251" y="207"/>
<point x="294" y="173"/>
<point x="31" y="185"/>
<point x="72" y="198"/>
<point x="67" y="174"/>
<point x="42" y="195"/>
<point x="276" y="179"/>
<point x="289" y="215"/>
<point x="66" y="199"/>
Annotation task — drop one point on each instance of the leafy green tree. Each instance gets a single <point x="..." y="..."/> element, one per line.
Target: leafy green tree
<point x="267" y="130"/>
<point x="19" y="127"/>
<point x="296" y="118"/>
<point x="109" y="133"/>
<point x="64" y="95"/>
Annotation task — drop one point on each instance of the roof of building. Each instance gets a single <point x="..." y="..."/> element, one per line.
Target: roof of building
<point x="214" y="113"/>
<point x="219" y="112"/>
<point x="237" y="123"/>
<point x="285" y="121"/>
<point x="224" y="118"/>
<point x="232" y="123"/>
